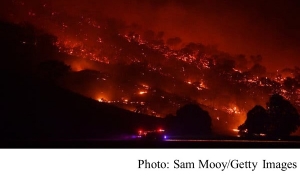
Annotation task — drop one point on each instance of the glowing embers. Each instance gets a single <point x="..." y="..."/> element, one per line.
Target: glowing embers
<point x="233" y="110"/>
<point x="236" y="70"/>
<point x="78" y="49"/>
<point x="198" y="85"/>
<point x="104" y="100"/>
<point x="145" y="86"/>
<point x="143" y="92"/>
<point x="235" y="130"/>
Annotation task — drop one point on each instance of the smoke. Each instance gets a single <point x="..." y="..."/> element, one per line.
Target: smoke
<point x="256" y="27"/>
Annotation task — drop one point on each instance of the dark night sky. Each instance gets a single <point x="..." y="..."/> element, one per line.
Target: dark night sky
<point x="267" y="27"/>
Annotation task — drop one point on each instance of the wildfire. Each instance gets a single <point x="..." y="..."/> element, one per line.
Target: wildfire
<point x="142" y="92"/>
<point x="103" y="100"/>
<point x="233" y="110"/>
<point x="89" y="41"/>
<point x="203" y="62"/>
<point x="235" y="130"/>
<point x="145" y="86"/>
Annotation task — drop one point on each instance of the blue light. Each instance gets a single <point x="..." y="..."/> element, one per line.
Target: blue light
<point x="165" y="137"/>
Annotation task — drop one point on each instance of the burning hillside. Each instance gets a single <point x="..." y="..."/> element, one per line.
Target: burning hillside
<point x="141" y="71"/>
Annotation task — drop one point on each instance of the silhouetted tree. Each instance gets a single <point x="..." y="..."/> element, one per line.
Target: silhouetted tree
<point x="174" y="41"/>
<point x="258" y="70"/>
<point x="241" y="62"/>
<point x="160" y="35"/>
<point x="225" y="65"/>
<point x="256" y="122"/>
<point x="149" y="35"/>
<point x="284" y="118"/>
<point x="280" y="119"/>
<point x="191" y="119"/>
<point x="256" y="59"/>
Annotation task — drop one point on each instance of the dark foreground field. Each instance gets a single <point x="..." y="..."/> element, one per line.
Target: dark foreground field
<point x="153" y="144"/>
